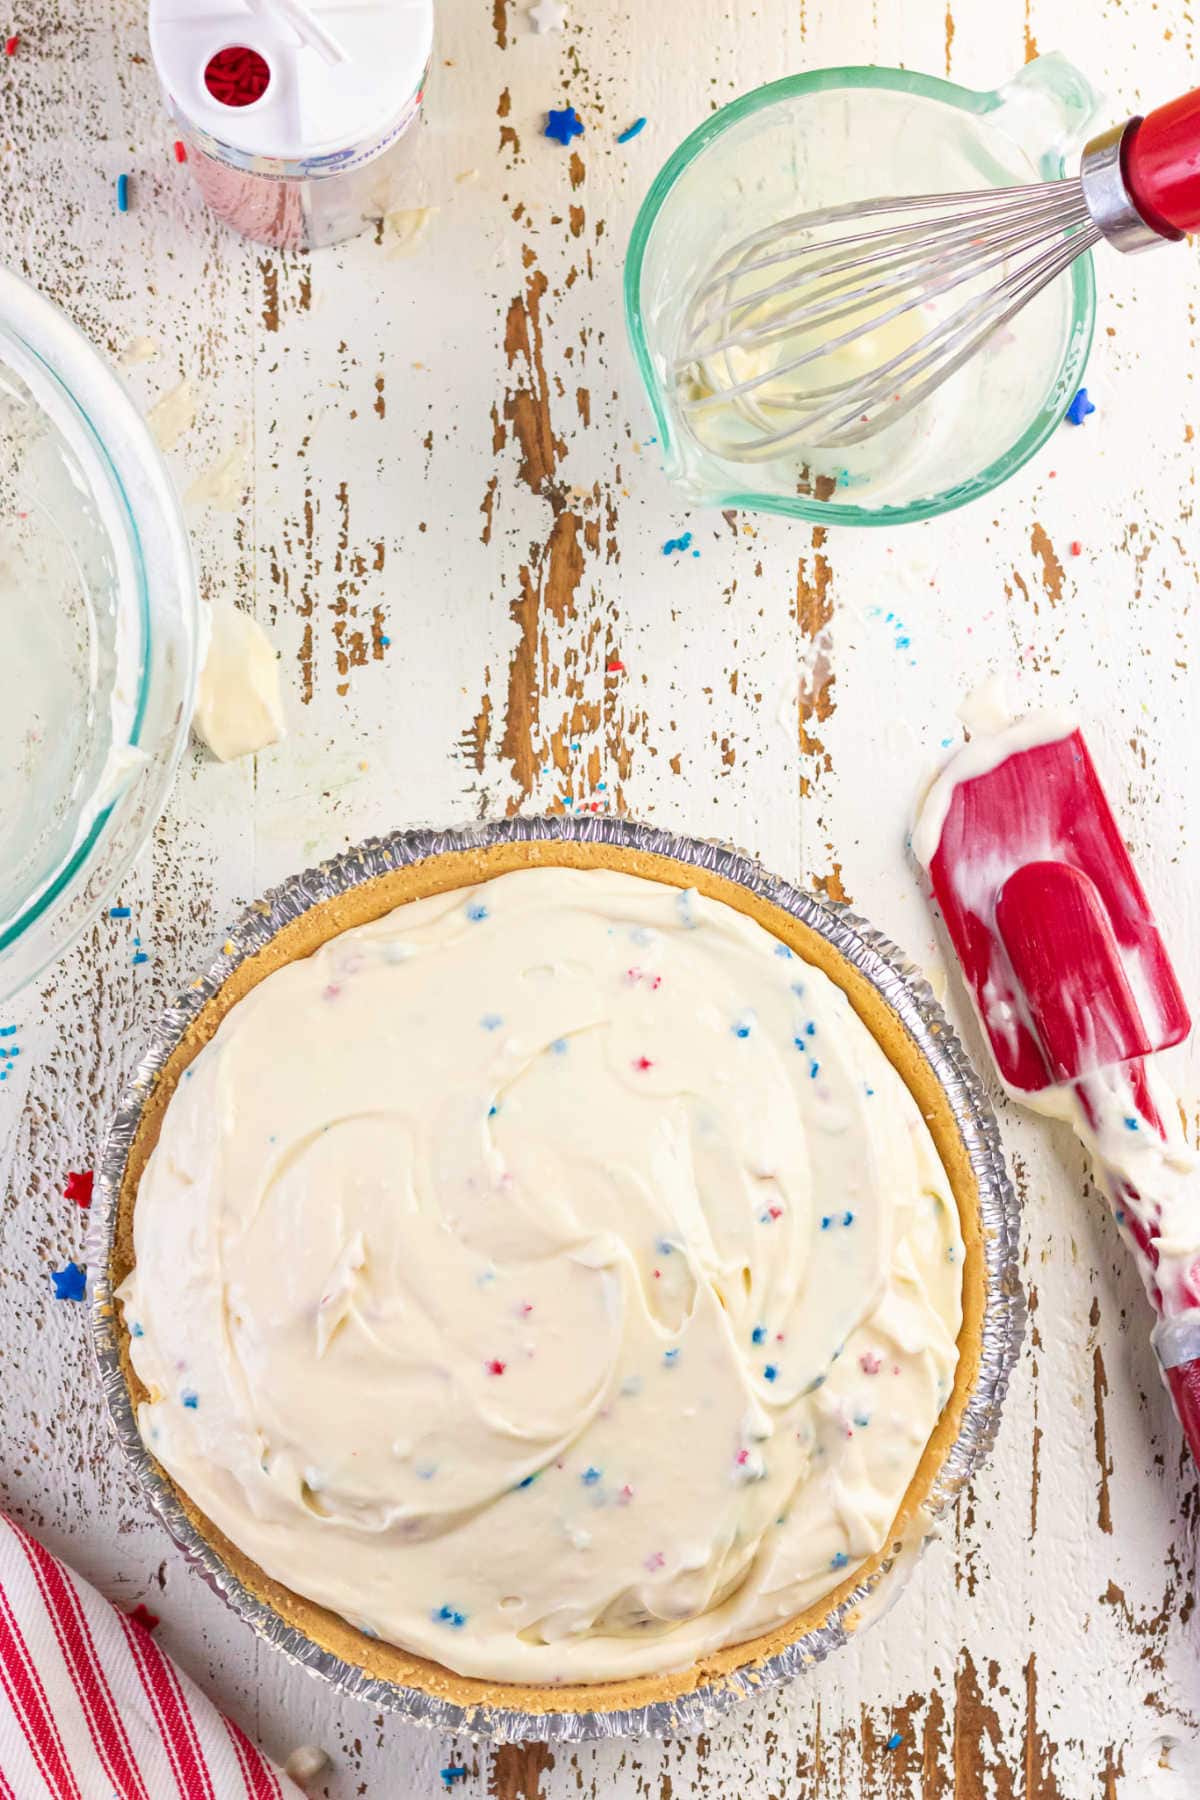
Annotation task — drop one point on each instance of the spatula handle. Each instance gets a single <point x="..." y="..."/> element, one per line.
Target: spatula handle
<point x="1183" y="1383"/>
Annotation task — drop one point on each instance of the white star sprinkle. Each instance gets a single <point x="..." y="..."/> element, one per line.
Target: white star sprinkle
<point x="548" y="15"/>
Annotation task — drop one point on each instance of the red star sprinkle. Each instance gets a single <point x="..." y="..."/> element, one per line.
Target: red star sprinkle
<point x="643" y="1063"/>
<point x="141" y="1615"/>
<point x="742" y="1458"/>
<point x="496" y="1367"/>
<point x="776" y="1212"/>
<point x="79" y="1187"/>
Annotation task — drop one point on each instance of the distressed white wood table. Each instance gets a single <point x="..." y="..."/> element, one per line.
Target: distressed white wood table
<point x="421" y="460"/>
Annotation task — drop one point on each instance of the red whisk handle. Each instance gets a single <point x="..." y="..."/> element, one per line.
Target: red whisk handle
<point x="1160" y="160"/>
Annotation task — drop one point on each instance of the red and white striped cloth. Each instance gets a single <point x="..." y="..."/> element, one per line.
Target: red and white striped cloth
<point x="91" y="1709"/>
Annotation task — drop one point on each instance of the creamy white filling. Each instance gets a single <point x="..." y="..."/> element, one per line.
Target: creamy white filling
<point x="553" y="1278"/>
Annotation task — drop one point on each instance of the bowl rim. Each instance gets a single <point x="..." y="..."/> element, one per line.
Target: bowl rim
<point x="1080" y="274"/>
<point x="903" y="989"/>
<point x="49" y="352"/>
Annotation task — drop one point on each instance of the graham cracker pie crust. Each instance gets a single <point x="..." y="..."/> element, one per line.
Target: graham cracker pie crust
<point x="459" y="869"/>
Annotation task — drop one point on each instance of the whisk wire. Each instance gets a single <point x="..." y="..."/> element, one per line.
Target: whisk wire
<point x="963" y="332"/>
<point x="740" y="260"/>
<point x="856" y="304"/>
<point x="982" y="256"/>
<point x="829" y="283"/>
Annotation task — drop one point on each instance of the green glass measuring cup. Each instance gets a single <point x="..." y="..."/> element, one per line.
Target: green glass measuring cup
<point x="833" y="136"/>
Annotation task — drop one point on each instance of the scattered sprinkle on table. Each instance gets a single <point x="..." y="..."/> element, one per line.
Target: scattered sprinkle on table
<point x="548" y="15"/>
<point x="10" y="44"/>
<point x="122" y="193"/>
<point x="79" y="1186"/>
<point x="452" y="1773"/>
<point x="180" y="150"/>
<point x="119" y="912"/>
<point x="140" y="956"/>
<point x="631" y="131"/>
<point x="895" y="1741"/>
<point x="1076" y="547"/>
<point x="141" y="1615"/>
<point x="562" y="124"/>
<point x="70" y="1283"/>
<point x="683" y="542"/>
<point x="614" y="666"/>
<point x="1080" y="407"/>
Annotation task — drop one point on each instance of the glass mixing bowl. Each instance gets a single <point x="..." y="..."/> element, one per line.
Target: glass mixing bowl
<point x="98" y="630"/>
<point x="827" y="138"/>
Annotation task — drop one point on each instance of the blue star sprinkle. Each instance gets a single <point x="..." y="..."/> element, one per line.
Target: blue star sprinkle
<point x="70" y="1283"/>
<point x="449" y="1615"/>
<point x="590" y="1476"/>
<point x="1080" y="407"/>
<point x="563" y="124"/>
<point x="770" y="1373"/>
<point x="759" y="1335"/>
<point x="840" y="1560"/>
<point x="190" y="1399"/>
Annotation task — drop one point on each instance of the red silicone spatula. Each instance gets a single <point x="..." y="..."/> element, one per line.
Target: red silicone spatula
<point x="1073" y="986"/>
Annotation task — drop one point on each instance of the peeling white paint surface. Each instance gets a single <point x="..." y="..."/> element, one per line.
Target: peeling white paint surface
<point x="451" y="526"/>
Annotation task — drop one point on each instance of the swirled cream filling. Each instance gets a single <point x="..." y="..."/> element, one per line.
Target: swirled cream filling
<point x="554" y="1278"/>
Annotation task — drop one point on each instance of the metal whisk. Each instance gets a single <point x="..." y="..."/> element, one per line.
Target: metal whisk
<point x="829" y="326"/>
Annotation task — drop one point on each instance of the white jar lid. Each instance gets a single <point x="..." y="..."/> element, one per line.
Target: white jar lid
<point x="341" y="71"/>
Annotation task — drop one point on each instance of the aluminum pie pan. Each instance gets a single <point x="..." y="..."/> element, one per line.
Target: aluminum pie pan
<point x="911" y="1000"/>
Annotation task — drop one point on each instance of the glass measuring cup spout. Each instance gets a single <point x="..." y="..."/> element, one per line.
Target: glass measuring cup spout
<point x="829" y="138"/>
<point x="1049" y="108"/>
